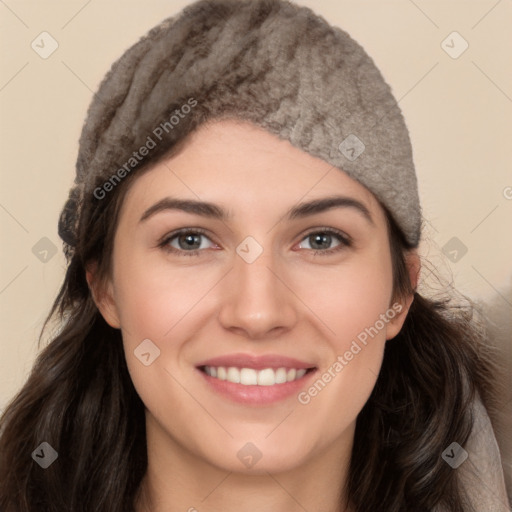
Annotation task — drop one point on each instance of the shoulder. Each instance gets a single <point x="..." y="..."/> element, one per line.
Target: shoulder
<point x="481" y="473"/>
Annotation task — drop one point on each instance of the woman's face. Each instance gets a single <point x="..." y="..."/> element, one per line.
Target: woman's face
<point x="256" y="286"/>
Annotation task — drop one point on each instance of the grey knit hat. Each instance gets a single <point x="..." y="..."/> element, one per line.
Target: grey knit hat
<point x="269" y="62"/>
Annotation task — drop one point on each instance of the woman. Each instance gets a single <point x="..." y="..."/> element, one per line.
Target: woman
<point x="239" y="321"/>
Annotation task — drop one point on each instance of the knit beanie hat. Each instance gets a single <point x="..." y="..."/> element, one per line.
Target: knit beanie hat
<point x="269" y="62"/>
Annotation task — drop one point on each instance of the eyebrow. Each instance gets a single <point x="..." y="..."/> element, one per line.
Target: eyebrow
<point x="211" y="210"/>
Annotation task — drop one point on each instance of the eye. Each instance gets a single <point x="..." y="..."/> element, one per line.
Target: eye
<point x="191" y="241"/>
<point x="187" y="242"/>
<point x="320" y="241"/>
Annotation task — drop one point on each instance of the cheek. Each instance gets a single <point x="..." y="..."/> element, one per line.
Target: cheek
<point x="349" y="298"/>
<point x="166" y="306"/>
<point x="152" y="298"/>
<point x="155" y="304"/>
<point x="350" y="303"/>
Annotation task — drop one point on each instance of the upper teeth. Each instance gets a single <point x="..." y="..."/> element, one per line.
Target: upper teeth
<point x="251" y="377"/>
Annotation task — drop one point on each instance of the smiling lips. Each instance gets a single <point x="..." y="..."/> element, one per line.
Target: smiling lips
<point x="255" y="379"/>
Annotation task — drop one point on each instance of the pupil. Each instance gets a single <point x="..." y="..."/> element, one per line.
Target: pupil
<point x="190" y="240"/>
<point x="319" y="238"/>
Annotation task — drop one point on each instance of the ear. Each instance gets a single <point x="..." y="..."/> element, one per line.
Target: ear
<point x="103" y="296"/>
<point x="402" y="306"/>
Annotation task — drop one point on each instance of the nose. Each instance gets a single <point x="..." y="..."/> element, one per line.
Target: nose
<point x="257" y="302"/>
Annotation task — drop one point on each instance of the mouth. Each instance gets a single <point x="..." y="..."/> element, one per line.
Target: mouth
<point x="256" y="380"/>
<point x="254" y="377"/>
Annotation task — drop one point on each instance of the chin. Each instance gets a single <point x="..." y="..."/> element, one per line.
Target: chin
<point x="258" y="458"/>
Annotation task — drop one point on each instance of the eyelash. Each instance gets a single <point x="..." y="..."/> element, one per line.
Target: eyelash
<point x="345" y="241"/>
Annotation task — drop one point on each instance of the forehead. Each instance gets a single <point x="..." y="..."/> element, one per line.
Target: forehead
<point x="236" y="162"/>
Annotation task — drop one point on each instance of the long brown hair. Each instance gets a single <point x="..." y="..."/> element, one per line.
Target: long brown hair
<point x="80" y="399"/>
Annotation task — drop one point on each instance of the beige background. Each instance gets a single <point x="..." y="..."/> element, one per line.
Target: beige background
<point x="458" y="112"/>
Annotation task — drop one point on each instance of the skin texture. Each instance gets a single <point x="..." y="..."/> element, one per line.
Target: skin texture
<point x="289" y="301"/>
